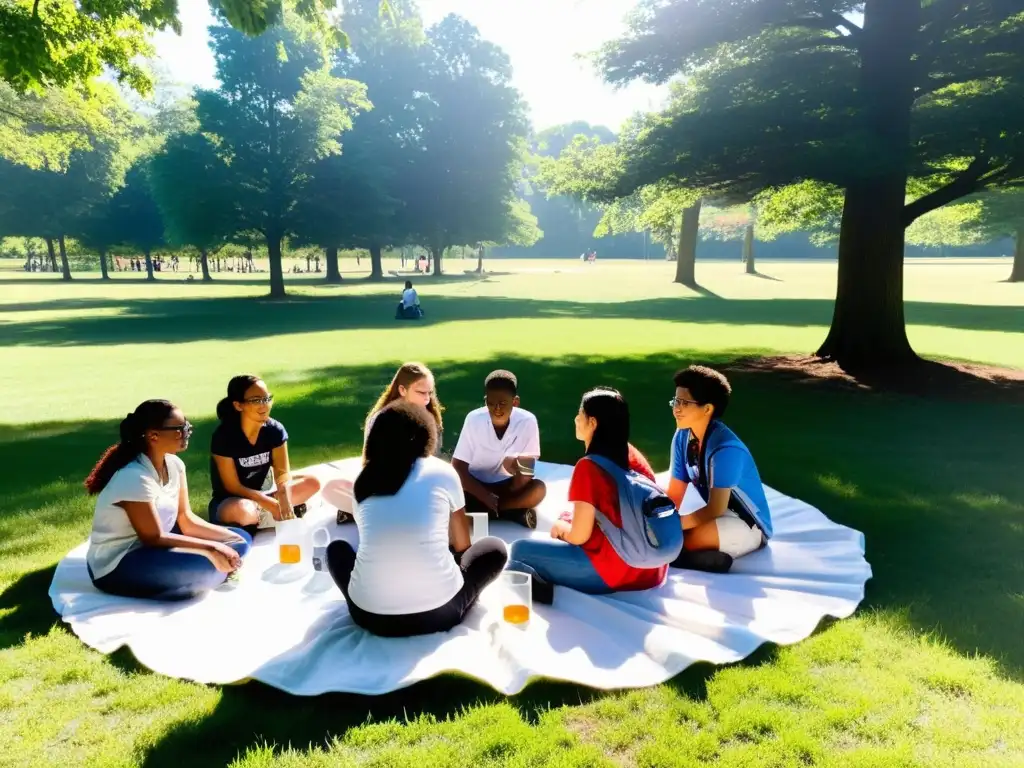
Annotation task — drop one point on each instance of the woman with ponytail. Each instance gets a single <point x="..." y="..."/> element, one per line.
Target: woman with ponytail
<point x="245" y="446"/>
<point x="580" y="556"/>
<point x="145" y="541"/>
<point x="410" y="511"/>
<point x="413" y="383"/>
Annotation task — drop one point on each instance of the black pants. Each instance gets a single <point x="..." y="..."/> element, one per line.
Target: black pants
<point x="481" y="564"/>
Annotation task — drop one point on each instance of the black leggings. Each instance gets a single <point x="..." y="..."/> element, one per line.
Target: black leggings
<point x="481" y="564"/>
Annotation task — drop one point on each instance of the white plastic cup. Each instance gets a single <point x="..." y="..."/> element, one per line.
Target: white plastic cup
<point x="321" y="539"/>
<point x="478" y="526"/>
<point x="291" y="541"/>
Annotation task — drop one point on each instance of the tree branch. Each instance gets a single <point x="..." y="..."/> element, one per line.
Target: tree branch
<point x="832" y="22"/>
<point x="967" y="182"/>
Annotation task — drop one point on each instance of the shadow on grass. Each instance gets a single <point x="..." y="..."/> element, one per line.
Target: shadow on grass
<point x="255" y="713"/>
<point x="25" y="608"/>
<point x="180" y="320"/>
<point x="935" y="489"/>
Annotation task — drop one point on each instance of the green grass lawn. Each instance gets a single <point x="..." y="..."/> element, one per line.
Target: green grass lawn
<point x="930" y="671"/>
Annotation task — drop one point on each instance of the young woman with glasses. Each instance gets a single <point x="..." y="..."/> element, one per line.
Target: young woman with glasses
<point x="145" y="540"/>
<point x="245" y="446"/>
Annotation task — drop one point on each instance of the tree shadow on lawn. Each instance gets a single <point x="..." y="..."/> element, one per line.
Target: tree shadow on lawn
<point x="935" y="488"/>
<point x="180" y="320"/>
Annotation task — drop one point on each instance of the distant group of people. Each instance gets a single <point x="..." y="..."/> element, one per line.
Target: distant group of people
<point x="416" y="569"/>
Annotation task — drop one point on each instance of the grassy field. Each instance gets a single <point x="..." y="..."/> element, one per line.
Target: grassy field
<point x="930" y="672"/>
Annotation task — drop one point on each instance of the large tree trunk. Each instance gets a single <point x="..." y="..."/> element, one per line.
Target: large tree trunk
<point x="868" y="328"/>
<point x="376" y="265"/>
<point x="276" y="267"/>
<point x="748" y="249"/>
<point x="686" y="258"/>
<point x="331" y="259"/>
<point x="1017" y="273"/>
<point x="149" y="265"/>
<point x="204" y="264"/>
<point x="65" y="268"/>
<point x="52" y="253"/>
<point x="104" y="274"/>
<point x="436" y="255"/>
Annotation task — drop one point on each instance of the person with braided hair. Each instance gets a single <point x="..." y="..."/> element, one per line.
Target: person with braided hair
<point x="146" y="542"/>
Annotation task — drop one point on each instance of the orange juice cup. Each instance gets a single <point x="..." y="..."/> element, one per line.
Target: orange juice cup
<point x="291" y="535"/>
<point x="516" y="598"/>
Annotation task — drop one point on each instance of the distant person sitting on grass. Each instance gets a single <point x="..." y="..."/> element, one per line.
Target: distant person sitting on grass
<point x="145" y="540"/>
<point x="581" y="556"/>
<point x="496" y="453"/>
<point x="410" y="511"/>
<point x="413" y="383"/>
<point x="245" y="447"/>
<point x="409" y="307"/>
<point x="735" y="519"/>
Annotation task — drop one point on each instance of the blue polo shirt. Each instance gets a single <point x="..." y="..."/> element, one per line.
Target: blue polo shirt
<point x="725" y="462"/>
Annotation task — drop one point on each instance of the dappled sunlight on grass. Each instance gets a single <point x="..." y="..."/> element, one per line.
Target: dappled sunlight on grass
<point x="838" y="486"/>
<point x="929" y="673"/>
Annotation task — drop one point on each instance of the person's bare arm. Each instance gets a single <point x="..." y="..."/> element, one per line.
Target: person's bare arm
<point x="282" y="476"/>
<point x="458" y="531"/>
<point x="582" y="527"/>
<point x="142" y="515"/>
<point x="473" y="486"/>
<point x="718" y="504"/>
<point x="233" y="486"/>
<point x="194" y="526"/>
<point x="676" y="492"/>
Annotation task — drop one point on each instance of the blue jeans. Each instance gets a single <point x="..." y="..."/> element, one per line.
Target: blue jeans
<point x="557" y="563"/>
<point x="157" y="573"/>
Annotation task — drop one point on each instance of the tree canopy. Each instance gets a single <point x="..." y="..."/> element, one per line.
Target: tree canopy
<point x="791" y="92"/>
<point x="277" y="112"/>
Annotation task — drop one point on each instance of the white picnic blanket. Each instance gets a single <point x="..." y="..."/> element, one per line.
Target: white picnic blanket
<point x="290" y="628"/>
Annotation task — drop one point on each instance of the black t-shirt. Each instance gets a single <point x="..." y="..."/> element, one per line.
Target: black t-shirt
<point x="252" y="461"/>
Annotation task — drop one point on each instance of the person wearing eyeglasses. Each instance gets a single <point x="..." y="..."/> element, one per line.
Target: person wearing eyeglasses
<point x="735" y="519"/>
<point x="146" y="542"/>
<point x="245" y="446"/>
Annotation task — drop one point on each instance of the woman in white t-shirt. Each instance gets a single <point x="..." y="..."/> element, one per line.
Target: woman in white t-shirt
<point x="415" y="571"/>
<point x="145" y="540"/>
<point x="413" y="383"/>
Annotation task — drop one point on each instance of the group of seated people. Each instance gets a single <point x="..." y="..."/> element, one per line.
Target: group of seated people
<point x="416" y="569"/>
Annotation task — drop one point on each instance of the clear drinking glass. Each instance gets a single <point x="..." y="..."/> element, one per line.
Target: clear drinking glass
<point x="516" y="598"/>
<point x="321" y="539"/>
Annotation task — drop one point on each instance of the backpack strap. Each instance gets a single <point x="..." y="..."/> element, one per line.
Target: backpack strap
<point x="621" y="483"/>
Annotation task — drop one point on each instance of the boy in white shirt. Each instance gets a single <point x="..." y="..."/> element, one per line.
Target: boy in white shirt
<point x="496" y="453"/>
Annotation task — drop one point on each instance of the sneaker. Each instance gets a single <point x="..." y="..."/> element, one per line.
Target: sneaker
<point x="709" y="561"/>
<point x="266" y="520"/>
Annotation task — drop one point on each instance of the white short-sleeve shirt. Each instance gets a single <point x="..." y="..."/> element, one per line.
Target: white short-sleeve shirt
<point x="403" y="564"/>
<point x="410" y="298"/>
<point x="481" y="449"/>
<point x="113" y="535"/>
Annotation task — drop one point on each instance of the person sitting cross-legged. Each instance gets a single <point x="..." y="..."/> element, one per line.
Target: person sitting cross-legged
<point x="246" y="446"/>
<point x="409" y="307"/>
<point x="146" y="542"/>
<point x="412" y="382"/>
<point x="410" y="511"/>
<point x="580" y="556"/>
<point x="735" y="519"/>
<point x="496" y="453"/>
